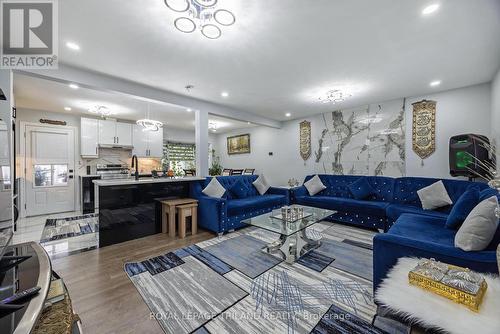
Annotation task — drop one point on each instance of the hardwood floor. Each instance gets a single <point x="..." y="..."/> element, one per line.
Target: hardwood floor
<point x="102" y="294"/>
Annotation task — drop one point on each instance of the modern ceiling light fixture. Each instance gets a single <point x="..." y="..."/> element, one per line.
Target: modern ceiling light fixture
<point x="73" y="86"/>
<point x="202" y="15"/>
<point x="224" y="94"/>
<point x="67" y="108"/>
<point x="100" y="110"/>
<point x="288" y="114"/>
<point x="334" y="96"/>
<point x="149" y="124"/>
<point x="430" y="9"/>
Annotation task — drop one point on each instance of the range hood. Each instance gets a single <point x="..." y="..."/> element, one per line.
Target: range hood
<point x="124" y="147"/>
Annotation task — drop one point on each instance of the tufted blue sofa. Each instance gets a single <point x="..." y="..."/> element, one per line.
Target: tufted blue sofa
<point x="225" y="214"/>
<point x="396" y="208"/>
<point x="393" y="197"/>
<point x="370" y="213"/>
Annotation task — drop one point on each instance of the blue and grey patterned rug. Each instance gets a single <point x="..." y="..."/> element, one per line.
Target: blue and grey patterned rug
<point x="63" y="228"/>
<point x="227" y="285"/>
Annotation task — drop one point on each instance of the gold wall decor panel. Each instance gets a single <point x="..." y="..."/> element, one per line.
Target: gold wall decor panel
<point x="305" y="140"/>
<point x="424" y="128"/>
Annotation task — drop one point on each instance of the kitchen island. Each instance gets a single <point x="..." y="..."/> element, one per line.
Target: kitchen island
<point x="130" y="209"/>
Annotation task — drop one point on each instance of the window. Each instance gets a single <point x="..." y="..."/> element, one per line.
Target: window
<point x="178" y="156"/>
<point x="50" y="175"/>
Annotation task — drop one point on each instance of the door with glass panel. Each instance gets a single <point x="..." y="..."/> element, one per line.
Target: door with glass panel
<point x="50" y="159"/>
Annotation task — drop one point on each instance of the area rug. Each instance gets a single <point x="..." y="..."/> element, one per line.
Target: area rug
<point x="225" y="285"/>
<point x="63" y="228"/>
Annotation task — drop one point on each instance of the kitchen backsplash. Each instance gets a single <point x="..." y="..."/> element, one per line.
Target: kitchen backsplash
<point x="118" y="156"/>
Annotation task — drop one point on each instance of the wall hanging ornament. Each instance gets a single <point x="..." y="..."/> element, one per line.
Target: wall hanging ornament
<point x="424" y="128"/>
<point x="305" y="140"/>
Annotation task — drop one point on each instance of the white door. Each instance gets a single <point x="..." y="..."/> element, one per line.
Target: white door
<point x="107" y="132"/>
<point x="124" y="133"/>
<point x="50" y="159"/>
<point x="140" y="141"/>
<point x="156" y="143"/>
<point x="89" y="137"/>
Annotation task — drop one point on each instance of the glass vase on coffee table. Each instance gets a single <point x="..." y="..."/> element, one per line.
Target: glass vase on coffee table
<point x="291" y="224"/>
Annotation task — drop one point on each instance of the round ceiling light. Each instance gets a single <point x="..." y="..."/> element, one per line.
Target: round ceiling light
<point x="205" y="3"/>
<point x="185" y="25"/>
<point x="224" y="17"/>
<point x="177" y="5"/>
<point x="100" y="110"/>
<point x="334" y="96"/>
<point x="211" y="31"/>
<point x="150" y="124"/>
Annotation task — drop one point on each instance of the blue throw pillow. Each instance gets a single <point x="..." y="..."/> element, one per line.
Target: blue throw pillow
<point x="462" y="208"/>
<point x="239" y="189"/>
<point x="361" y="189"/>
<point x="487" y="193"/>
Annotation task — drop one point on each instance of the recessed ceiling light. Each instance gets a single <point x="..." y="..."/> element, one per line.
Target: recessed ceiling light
<point x="189" y="110"/>
<point x="73" y="46"/>
<point x="288" y="114"/>
<point x="224" y="94"/>
<point x="430" y="9"/>
<point x="67" y="108"/>
<point x="249" y="123"/>
<point x="73" y="86"/>
<point x="435" y="83"/>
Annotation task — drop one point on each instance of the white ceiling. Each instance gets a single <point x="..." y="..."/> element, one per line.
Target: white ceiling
<point x="280" y="55"/>
<point x="45" y="95"/>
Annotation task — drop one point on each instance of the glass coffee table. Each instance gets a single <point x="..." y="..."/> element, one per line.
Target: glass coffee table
<point x="293" y="241"/>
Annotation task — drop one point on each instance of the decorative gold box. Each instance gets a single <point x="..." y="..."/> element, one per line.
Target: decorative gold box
<point x="460" y="285"/>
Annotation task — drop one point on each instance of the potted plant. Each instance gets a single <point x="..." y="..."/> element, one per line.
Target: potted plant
<point x="216" y="168"/>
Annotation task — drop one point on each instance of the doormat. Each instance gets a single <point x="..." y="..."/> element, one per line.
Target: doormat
<point x="63" y="228"/>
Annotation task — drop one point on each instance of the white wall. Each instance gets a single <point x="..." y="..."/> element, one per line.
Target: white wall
<point x="465" y="110"/>
<point x="458" y="111"/>
<point x="495" y="114"/>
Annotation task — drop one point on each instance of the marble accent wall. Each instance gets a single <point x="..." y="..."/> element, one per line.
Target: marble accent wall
<point x="369" y="140"/>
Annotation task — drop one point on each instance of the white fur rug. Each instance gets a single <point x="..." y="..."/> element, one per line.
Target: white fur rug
<point x="429" y="309"/>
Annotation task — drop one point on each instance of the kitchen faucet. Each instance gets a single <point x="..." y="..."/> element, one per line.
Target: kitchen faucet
<point x="135" y="164"/>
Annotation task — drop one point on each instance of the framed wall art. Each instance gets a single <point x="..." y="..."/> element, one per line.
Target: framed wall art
<point x="239" y="144"/>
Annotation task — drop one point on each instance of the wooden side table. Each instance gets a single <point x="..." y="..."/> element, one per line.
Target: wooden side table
<point x="184" y="211"/>
<point x="168" y="213"/>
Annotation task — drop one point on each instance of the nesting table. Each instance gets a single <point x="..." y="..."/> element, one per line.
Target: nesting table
<point x="182" y="208"/>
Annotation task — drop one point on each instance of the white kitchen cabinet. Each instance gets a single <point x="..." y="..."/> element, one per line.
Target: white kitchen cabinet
<point x="147" y="143"/>
<point x="89" y="137"/>
<point x="156" y="144"/>
<point x="107" y="132"/>
<point x="140" y="141"/>
<point x="124" y="134"/>
<point x="115" y="133"/>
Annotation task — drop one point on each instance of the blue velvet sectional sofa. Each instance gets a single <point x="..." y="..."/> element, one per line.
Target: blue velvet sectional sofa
<point x="225" y="214"/>
<point x="396" y="208"/>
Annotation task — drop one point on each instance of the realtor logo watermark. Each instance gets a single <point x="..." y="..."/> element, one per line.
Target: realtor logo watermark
<point x="29" y="37"/>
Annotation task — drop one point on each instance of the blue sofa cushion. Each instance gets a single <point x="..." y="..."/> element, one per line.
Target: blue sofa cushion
<point x="228" y="181"/>
<point x="345" y="204"/>
<point x="424" y="229"/>
<point x="405" y="190"/>
<point x="361" y="189"/>
<point x="241" y="206"/>
<point x="487" y="193"/>
<point x="462" y="208"/>
<point x="394" y="211"/>
<point x="239" y="189"/>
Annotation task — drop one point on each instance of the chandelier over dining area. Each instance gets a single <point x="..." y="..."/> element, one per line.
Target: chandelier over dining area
<point x="202" y="15"/>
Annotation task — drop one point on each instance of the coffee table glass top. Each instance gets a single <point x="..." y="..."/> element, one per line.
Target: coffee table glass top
<point x="311" y="216"/>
